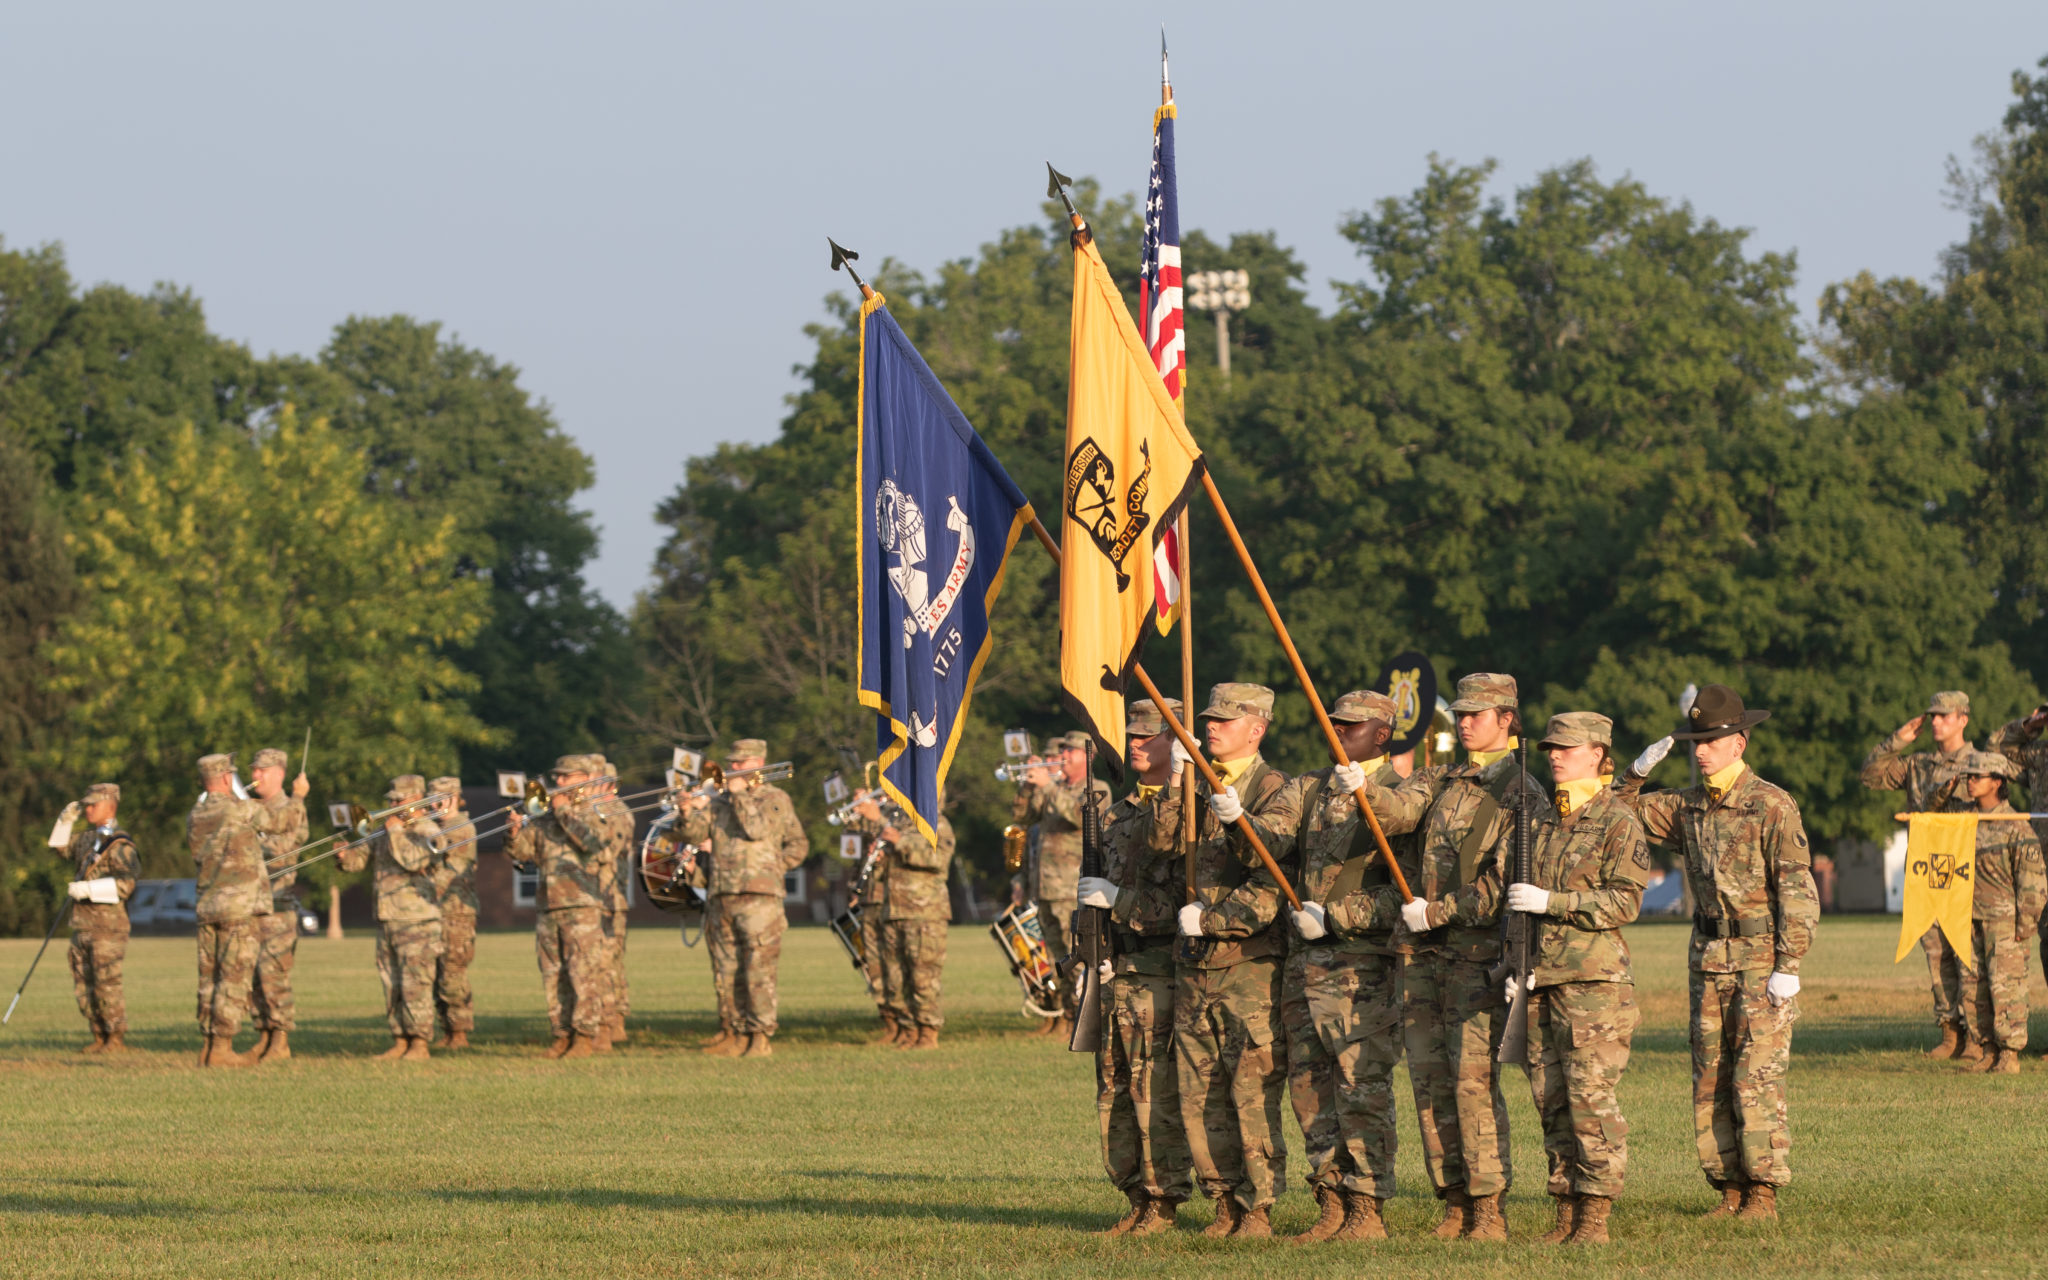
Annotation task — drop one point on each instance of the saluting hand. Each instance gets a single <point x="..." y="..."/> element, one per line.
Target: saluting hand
<point x="1910" y="730"/>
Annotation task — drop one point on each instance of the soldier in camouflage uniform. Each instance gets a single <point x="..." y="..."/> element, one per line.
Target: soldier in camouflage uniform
<point x="404" y="855"/>
<point x="1050" y="800"/>
<point x="224" y="832"/>
<point x="104" y="865"/>
<point x="2010" y="888"/>
<point x="1589" y="863"/>
<point x="1751" y="876"/>
<point x="755" y="840"/>
<point x="1144" y="1146"/>
<point x="1230" y="1048"/>
<point x="1932" y="785"/>
<point x="907" y="900"/>
<point x="454" y="876"/>
<point x="1452" y="1012"/>
<point x="619" y="822"/>
<point x="1340" y="992"/>
<point x="569" y="845"/>
<point x="2020" y="742"/>
<point x="277" y="934"/>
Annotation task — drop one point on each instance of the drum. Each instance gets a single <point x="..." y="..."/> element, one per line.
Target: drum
<point x="670" y="885"/>
<point x="846" y="928"/>
<point x="1022" y="941"/>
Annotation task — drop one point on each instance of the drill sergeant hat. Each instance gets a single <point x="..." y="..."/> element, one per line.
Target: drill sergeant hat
<point x="1718" y="712"/>
<point x="1578" y="729"/>
<point x="1486" y="691"/>
<point x="1236" y="701"/>
<point x="1363" y="704"/>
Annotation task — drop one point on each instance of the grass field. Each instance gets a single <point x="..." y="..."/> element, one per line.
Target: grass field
<point x="835" y="1159"/>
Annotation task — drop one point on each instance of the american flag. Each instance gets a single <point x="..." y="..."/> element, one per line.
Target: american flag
<point x="1159" y="302"/>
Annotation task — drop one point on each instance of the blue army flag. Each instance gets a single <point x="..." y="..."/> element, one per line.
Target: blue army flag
<point x="938" y="519"/>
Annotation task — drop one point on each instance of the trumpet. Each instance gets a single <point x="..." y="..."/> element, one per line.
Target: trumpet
<point x="892" y="813"/>
<point x="1018" y="770"/>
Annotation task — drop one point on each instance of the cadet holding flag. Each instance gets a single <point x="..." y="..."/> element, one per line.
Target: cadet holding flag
<point x="2005" y="908"/>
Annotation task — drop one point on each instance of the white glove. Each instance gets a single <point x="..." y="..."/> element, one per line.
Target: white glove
<point x="102" y="890"/>
<point x="60" y="835"/>
<point x="1653" y="755"/>
<point x="1528" y="898"/>
<point x="1781" y="987"/>
<point x="1309" y="921"/>
<point x="1347" y="778"/>
<point x="1191" y="920"/>
<point x="1098" y="892"/>
<point x="1513" y="985"/>
<point x="1225" y="805"/>
<point x="1106" y="970"/>
<point x="80" y="890"/>
<point x="1416" y="915"/>
<point x="1181" y="758"/>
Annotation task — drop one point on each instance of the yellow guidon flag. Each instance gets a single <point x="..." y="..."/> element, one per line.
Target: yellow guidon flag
<point x="1130" y="467"/>
<point x="1941" y="878"/>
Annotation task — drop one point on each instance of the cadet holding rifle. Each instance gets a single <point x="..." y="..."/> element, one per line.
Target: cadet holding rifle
<point x="104" y="865"/>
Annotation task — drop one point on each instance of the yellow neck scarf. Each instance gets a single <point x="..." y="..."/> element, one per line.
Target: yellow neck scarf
<point x="1231" y="771"/>
<point x="1573" y="796"/>
<point x="1484" y="758"/>
<point x="1146" y="791"/>
<point x="1719" y="783"/>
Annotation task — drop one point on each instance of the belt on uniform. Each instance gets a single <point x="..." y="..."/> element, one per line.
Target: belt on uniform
<point x="1720" y="927"/>
<point x="1128" y="943"/>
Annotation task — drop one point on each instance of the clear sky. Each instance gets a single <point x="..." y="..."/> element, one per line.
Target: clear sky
<point x="630" y="201"/>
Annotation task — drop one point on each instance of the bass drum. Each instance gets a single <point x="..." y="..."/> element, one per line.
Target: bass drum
<point x="672" y="873"/>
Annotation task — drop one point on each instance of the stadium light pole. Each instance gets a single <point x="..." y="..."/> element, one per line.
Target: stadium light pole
<point x="1222" y="292"/>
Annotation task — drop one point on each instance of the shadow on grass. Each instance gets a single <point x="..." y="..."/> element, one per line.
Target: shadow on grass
<point x="795" y="1205"/>
<point x="29" y="1202"/>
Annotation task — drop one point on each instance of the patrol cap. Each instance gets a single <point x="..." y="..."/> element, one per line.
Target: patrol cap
<point x="1236" y="701"/>
<point x="1074" y="741"/>
<point x="1986" y="764"/>
<point x="602" y="767"/>
<point x="269" y="758"/>
<point x="1143" y="719"/>
<point x="748" y="749"/>
<point x="1578" y="729"/>
<point x="1486" y="691"/>
<point x="571" y="763"/>
<point x="215" y="765"/>
<point x="106" y="791"/>
<point x="406" y="784"/>
<point x="1949" y="702"/>
<point x="445" y="786"/>
<point x="1363" y="704"/>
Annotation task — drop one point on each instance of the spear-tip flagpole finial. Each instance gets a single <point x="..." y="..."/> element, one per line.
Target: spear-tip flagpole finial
<point x="844" y="258"/>
<point x="1056" y="184"/>
<point x="1165" y="79"/>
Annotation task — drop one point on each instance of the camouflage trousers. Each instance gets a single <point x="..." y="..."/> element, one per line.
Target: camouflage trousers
<point x="913" y="959"/>
<point x="1056" y="923"/>
<point x="408" y="952"/>
<point x="720" y="953"/>
<point x="1452" y="1018"/>
<point x="571" y="946"/>
<point x="1741" y="1048"/>
<point x="1996" y="1010"/>
<point x="1945" y="976"/>
<point x="1230" y="1063"/>
<point x="748" y="934"/>
<point x="615" y="921"/>
<point x="1342" y="1010"/>
<point x="1137" y="1094"/>
<point x="96" y="956"/>
<point x="277" y="948"/>
<point x="452" y="997"/>
<point x="871" y="959"/>
<point x="1580" y="1034"/>
<point x="227" y="965"/>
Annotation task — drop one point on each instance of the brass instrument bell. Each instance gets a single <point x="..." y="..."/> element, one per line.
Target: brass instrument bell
<point x="1013" y="847"/>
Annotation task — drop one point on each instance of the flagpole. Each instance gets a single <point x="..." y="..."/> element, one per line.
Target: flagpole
<point x="1186" y="556"/>
<point x="1187" y="740"/>
<point x="1308" y="687"/>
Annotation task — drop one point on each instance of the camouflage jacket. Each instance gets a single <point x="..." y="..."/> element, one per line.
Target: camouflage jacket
<point x="910" y="880"/>
<point x="403" y="869"/>
<point x="224" y="833"/>
<point x="280" y="848"/>
<point x="455" y="866"/>
<point x="1056" y="810"/>
<point x="1320" y="829"/>
<point x="754" y="836"/>
<point x="1240" y="899"/>
<point x="619" y="827"/>
<point x="100" y="853"/>
<point x="2011" y="882"/>
<point x="1925" y="776"/>
<point x="1749" y="867"/>
<point x="1142" y="856"/>
<point x="1596" y="864"/>
<point x="2030" y="752"/>
<point x="1460" y="870"/>
<point x="569" y="847"/>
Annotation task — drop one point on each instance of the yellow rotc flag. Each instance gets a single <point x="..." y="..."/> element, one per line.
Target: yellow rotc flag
<point x="1130" y="468"/>
<point x="1941" y="878"/>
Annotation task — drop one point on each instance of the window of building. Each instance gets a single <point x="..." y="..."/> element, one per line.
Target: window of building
<point x="525" y="887"/>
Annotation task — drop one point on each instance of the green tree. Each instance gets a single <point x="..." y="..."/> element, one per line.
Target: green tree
<point x="238" y="592"/>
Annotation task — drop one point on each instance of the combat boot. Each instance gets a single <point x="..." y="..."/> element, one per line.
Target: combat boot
<point x="1331" y="1202"/>
<point x="220" y="1052"/>
<point x="1984" y="1062"/>
<point x="1362" y="1218"/>
<point x="1567" y="1219"/>
<point x="2007" y="1063"/>
<point x="1122" y="1226"/>
<point x="758" y="1047"/>
<point x="1158" y="1216"/>
<point x="889" y="1033"/>
<point x="1228" y="1214"/>
<point x="114" y="1043"/>
<point x="580" y="1046"/>
<point x="1759" y="1203"/>
<point x="1487" y="1224"/>
<point x="1044" y="1028"/>
<point x="1971" y="1052"/>
<point x="1062" y="1029"/>
<point x="262" y="1045"/>
<point x="396" y="1051"/>
<point x="1254" y="1225"/>
<point x="618" y="1029"/>
<point x="416" y="1050"/>
<point x="1457" y="1214"/>
<point x="98" y="1045"/>
<point x="731" y="1046"/>
<point x="1950" y="1042"/>
<point x="1731" y="1201"/>
<point x="1592" y="1224"/>
<point x="927" y="1038"/>
<point x="602" y="1041"/>
<point x="717" y="1042"/>
<point x="457" y="1040"/>
<point x="277" y="1047"/>
<point x="559" y="1047"/>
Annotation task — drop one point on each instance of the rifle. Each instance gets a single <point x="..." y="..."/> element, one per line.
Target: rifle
<point x="61" y="915"/>
<point x="1514" y="1041"/>
<point x="1092" y="937"/>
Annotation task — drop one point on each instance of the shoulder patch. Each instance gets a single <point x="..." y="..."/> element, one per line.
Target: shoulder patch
<point x="1799" y="837"/>
<point x="1643" y="855"/>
